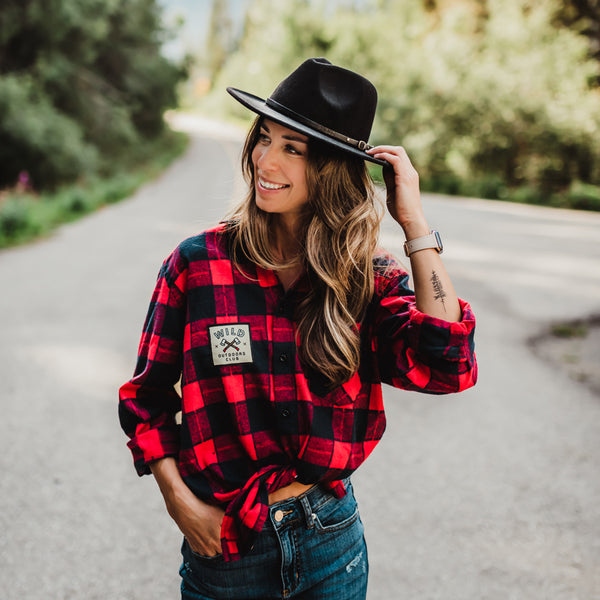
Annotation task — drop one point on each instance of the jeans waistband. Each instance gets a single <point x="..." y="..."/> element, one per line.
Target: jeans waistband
<point x="304" y="505"/>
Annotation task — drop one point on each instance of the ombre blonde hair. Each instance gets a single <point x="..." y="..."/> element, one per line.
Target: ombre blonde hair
<point x="338" y="236"/>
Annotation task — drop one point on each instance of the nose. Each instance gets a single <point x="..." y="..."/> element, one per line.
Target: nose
<point x="266" y="159"/>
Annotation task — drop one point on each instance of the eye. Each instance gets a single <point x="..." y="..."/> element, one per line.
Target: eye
<point x="263" y="138"/>
<point x="293" y="150"/>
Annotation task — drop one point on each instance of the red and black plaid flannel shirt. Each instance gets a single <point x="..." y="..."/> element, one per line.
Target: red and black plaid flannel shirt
<point x="253" y="418"/>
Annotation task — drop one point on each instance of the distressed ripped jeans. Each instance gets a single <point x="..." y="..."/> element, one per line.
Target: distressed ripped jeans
<point x="311" y="548"/>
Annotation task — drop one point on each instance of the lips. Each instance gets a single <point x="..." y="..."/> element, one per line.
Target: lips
<point x="271" y="185"/>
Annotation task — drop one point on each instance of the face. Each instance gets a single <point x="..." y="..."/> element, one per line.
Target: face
<point x="279" y="158"/>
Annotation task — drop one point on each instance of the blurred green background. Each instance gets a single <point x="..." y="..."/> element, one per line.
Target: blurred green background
<point x="492" y="98"/>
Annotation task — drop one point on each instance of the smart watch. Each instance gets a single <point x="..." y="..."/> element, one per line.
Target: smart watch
<point x="433" y="240"/>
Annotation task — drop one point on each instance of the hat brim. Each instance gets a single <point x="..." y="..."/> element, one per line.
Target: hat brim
<point x="259" y="106"/>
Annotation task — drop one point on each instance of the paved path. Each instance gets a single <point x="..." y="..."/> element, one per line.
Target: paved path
<point x="492" y="494"/>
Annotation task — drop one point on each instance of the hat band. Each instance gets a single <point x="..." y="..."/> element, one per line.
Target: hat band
<point x="317" y="126"/>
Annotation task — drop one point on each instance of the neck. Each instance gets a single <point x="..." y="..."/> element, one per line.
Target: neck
<point x="286" y="237"/>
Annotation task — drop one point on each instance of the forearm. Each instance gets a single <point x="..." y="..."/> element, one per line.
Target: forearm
<point x="434" y="292"/>
<point x="167" y="476"/>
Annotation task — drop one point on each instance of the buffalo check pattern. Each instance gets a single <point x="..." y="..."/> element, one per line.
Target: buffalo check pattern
<point x="252" y="417"/>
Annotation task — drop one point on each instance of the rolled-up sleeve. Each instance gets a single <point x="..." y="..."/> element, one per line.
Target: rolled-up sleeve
<point x="416" y="351"/>
<point x="149" y="401"/>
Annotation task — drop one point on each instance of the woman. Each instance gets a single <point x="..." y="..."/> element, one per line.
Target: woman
<point x="283" y="322"/>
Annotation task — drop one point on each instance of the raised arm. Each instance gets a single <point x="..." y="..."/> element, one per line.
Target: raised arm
<point x="434" y="292"/>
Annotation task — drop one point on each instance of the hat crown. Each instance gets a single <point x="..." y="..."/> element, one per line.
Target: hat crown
<point x="331" y="96"/>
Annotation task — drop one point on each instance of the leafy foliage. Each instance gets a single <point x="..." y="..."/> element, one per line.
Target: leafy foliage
<point x="220" y="37"/>
<point x="488" y="96"/>
<point x="24" y="216"/>
<point x="582" y="16"/>
<point x="82" y="86"/>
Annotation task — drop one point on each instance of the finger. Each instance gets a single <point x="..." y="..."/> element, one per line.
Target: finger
<point x="397" y="151"/>
<point x="394" y="155"/>
<point x="385" y="148"/>
<point x="399" y="161"/>
<point x="396" y="163"/>
<point x="205" y="548"/>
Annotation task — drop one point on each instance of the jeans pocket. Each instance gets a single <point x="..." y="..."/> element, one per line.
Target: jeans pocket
<point x="215" y="558"/>
<point x="336" y="515"/>
<point x="201" y="557"/>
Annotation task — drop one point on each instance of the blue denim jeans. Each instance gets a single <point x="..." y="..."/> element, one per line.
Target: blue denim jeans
<point x="311" y="548"/>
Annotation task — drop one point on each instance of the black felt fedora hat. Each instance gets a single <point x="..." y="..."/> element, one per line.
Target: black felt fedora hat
<point x="323" y="101"/>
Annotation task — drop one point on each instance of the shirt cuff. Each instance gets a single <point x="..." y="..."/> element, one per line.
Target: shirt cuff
<point x="152" y="445"/>
<point x="443" y="339"/>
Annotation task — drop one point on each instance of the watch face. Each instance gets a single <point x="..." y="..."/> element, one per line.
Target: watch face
<point x="438" y="239"/>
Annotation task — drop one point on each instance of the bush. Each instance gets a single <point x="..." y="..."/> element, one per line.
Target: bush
<point x="14" y="221"/>
<point x="83" y="83"/>
<point x="36" y="137"/>
<point x="25" y="216"/>
<point x="528" y="195"/>
<point x="583" y="196"/>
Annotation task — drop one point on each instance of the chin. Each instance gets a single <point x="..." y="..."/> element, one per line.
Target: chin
<point x="264" y="206"/>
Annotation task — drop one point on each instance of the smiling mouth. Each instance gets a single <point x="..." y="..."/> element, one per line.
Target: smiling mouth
<point x="268" y="185"/>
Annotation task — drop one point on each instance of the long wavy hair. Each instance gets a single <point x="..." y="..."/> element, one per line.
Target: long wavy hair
<point x="338" y="235"/>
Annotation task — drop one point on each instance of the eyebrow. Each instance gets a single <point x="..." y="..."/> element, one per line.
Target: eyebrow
<point x="292" y="138"/>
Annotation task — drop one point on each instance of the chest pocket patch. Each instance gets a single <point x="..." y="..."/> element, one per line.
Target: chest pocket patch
<point x="230" y="344"/>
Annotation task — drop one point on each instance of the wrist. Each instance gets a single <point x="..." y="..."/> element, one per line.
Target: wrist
<point x="430" y="241"/>
<point x="415" y="229"/>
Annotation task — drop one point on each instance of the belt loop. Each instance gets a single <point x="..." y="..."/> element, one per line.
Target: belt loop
<point x="308" y="513"/>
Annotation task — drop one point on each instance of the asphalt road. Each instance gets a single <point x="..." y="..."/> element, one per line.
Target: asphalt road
<point x="491" y="494"/>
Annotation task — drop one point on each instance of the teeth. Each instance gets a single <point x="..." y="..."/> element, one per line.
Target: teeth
<point x="271" y="186"/>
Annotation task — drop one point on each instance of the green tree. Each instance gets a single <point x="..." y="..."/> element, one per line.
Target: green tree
<point x="583" y="16"/>
<point x="82" y="83"/>
<point x="486" y="95"/>
<point x="219" y="41"/>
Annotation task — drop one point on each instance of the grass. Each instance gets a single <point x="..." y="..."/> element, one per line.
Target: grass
<point x="568" y="330"/>
<point x="26" y="216"/>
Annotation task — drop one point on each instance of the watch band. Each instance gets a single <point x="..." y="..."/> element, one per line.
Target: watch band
<point x="433" y="240"/>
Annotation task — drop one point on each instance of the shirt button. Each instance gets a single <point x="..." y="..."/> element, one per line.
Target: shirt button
<point x="283" y="358"/>
<point x="285" y="412"/>
<point x="278" y="515"/>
